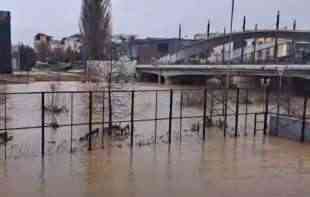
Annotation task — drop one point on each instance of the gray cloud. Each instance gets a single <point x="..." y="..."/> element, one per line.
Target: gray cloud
<point x="151" y="17"/>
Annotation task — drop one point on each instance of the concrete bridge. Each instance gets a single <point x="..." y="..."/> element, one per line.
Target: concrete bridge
<point x="183" y="73"/>
<point x="211" y="43"/>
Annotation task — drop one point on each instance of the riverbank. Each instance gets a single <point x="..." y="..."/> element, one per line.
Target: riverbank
<point x="40" y="76"/>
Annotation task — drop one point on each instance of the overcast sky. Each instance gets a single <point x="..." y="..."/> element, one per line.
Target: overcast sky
<point x="158" y="18"/>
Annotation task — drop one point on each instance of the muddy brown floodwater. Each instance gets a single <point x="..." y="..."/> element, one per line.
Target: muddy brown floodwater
<point x="243" y="166"/>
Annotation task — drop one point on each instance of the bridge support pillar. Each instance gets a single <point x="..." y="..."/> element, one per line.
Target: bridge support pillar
<point x="227" y="81"/>
<point x="246" y="82"/>
<point x="168" y="81"/>
<point x="159" y="79"/>
<point x="138" y="76"/>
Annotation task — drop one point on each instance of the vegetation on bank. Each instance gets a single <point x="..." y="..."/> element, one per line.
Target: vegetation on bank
<point x="58" y="67"/>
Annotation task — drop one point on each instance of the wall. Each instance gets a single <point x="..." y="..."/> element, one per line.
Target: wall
<point x="150" y="49"/>
<point x="288" y="128"/>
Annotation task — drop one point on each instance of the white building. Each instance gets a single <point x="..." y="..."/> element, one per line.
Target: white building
<point x="41" y="38"/>
<point x="73" y="42"/>
<point x="204" y="36"/>
<point x="263" y="47"/>
<point x="55" y="44"/>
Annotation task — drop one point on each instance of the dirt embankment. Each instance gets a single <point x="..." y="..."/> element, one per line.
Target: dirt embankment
<point x="21" y="78"/>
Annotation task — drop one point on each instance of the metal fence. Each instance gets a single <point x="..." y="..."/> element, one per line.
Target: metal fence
<point x="233" y="111"/>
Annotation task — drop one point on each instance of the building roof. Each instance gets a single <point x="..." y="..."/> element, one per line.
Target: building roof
<point x="56" y="42"/>
<point x="156" y="39"/>
<point x="39" y="35"/>
<point x="76" y="37"/>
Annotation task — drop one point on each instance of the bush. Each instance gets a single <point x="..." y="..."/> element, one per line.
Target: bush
<point x="27" y="57"/>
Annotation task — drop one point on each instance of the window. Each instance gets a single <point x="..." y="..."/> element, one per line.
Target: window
<point x="163" y="48"/>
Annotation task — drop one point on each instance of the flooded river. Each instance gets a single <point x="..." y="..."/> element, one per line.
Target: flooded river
<point x="24" y="111"/>
<point x="246" y="166"/>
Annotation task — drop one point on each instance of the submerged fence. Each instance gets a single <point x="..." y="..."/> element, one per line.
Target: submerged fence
<point x="233" y="111"/>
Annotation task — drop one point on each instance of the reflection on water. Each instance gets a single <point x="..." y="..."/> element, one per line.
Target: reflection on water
<point x="66" y="108"/>
<point x="242" y="167"/>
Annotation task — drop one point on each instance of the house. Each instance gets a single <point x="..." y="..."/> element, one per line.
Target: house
<point x="55" y="44"/>
<point x="73" y="43"/>
<point x="41" y="38"/>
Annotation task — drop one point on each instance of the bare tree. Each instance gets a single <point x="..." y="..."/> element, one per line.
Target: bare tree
<point x="27" y="57"/>
<point x="96" y="32"/>
<point x="95" y="27"/>
<point x="71" y="55"/>
<point x="58" y="55"/>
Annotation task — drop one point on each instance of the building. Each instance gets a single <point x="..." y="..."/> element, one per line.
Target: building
<point x="41" y="38"/>
<point x="55" y="44"/>
<point x="5" y="42"/>
<point x="145" y="51"/>
<point x="264" y="51"/>
<point x="205" y="36"/>
<point x="73" y="43"/>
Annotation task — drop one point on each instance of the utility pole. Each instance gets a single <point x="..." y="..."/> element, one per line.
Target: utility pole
<point x="180" y="32"/>
<point x="294" y="42"/>
<point x="231" y="28"/>
<point x="242" y="48"/>
<point x="208" y="29"/>
<point x="178" y="45"/>
<point x="223" y="50"/>
<point x="244" y="24"/>
<point x="208" y="36"/>
<point x="275" y="55"/>
<point x="254" y="45"/>
<point x="232" y="15"/>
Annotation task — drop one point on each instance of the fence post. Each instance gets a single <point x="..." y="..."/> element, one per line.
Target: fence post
<point x="225" y="114"/>
<point x="71" y="122"/>
<point x="5" y="126"/>
<point x="255" y="121"/>
<point x="302" y="137"/>
<point x="132" y="118"/>
<point x="246" y="113"/>
<point x="156" y="116"/>
<point x="181" y="113"/>
<point x="103" y="119"/>
<point x="204" y="114"/>
<point x="279" y="102"/>
<point x="266" y="110"/>
<point x="237" y="113"/>
<point x="212" y="106"/>
<point x="110" y="111"/>
<point x="170" y="116"/>
<point x="90" y="97"/>
<point x="223" y="104"/>
<point x="42" y="124"/>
